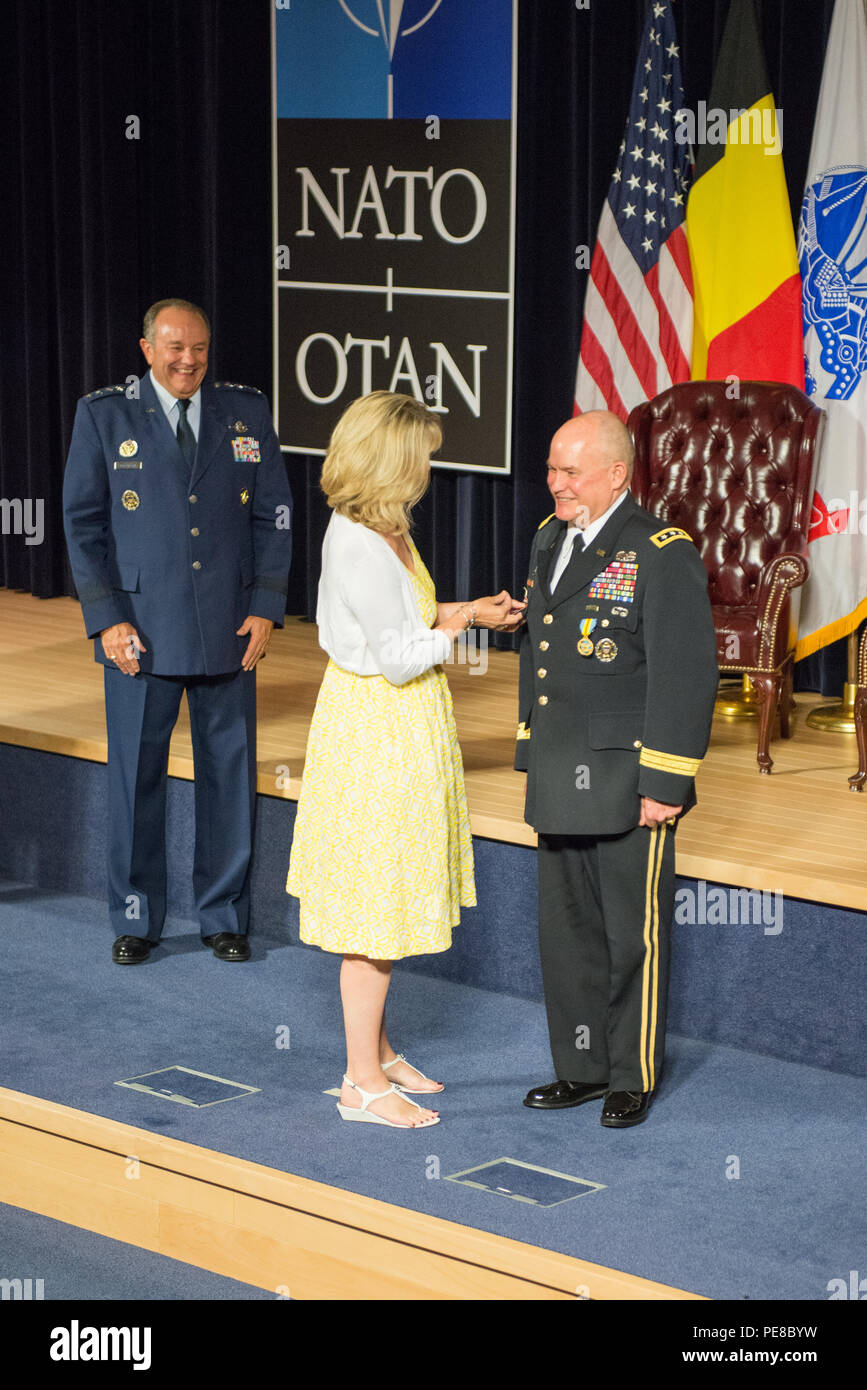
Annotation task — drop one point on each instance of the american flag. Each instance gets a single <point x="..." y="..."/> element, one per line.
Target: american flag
<point x="637" y="335"/>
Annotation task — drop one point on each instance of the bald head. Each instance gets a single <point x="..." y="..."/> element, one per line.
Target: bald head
<point x="601" y="433"/>
<point x="589" y="466"/>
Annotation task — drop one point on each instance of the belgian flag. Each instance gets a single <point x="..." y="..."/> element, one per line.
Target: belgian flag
<point x="739" y="223"/>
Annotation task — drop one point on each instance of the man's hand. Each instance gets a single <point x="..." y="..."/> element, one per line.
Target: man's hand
<point x="656" y="812"/>
<point x="121" y="644"/>
<point x="260" y="635"/>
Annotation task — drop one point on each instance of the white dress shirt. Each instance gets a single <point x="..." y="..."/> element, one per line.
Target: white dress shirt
<point x="564" y="554"/>
<point x="590" y="532"/>
<point x="368" y="616"/>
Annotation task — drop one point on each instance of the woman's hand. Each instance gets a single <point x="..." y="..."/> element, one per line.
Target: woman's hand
<point x="501" y="612"/>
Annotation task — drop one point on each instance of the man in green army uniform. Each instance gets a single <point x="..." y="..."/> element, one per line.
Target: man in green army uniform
<point x="617" y="684"/>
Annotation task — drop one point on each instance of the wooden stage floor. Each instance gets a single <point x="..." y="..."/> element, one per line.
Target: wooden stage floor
<point x="800" y="831"/>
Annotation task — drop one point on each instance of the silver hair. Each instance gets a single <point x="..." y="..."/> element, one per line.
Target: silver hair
<point x="150" y="317"/>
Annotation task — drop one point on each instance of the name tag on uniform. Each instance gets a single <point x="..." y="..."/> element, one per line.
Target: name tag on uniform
<point x="246" y="449"/>
<point x="127" y="463"/>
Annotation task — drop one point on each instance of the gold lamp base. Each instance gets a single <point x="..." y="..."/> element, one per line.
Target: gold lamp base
<point x="836" y="719"/>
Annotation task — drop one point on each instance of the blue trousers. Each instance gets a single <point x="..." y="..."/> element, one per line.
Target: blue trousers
<point x="141" y="712"/>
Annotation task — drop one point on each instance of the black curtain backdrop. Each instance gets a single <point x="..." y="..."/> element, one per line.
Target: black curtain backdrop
<point x="100" y="225"/>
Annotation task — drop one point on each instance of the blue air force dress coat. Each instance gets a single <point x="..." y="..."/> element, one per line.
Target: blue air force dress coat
<point x="618" y="676"/>
<point x="185" y="557"/>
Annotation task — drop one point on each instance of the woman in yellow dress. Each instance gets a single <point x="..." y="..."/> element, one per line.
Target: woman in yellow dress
<point x="382" y="857"/>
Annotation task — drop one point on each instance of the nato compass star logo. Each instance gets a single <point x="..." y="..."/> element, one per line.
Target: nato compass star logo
<point x="389" y="30"/>
<point x="832" y="251"/>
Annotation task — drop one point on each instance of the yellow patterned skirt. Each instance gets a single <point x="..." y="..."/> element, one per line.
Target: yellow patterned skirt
<point x="382" y="855"/>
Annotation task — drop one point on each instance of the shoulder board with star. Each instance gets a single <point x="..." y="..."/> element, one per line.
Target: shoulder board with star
<point x="236" y="386"/>
<point x="105" y="391"/>
<point x="669" y="534"/>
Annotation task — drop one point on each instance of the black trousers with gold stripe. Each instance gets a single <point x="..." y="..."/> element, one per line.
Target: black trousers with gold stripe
<point x="605" y="910"/>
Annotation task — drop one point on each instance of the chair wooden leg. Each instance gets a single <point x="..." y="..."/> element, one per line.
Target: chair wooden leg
<point x="856" y="782"/>
<point x="768" y="696"/>
<point x="786" y="700"/>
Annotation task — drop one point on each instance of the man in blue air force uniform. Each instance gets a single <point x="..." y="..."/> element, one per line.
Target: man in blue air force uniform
<point x="176" y="509"/>
<point x="618" y="675"/>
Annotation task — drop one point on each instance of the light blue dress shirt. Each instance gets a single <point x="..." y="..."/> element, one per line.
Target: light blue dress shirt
<point x="169" y="404"/>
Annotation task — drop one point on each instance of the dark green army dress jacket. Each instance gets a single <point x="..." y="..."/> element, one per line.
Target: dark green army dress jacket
<point x="618" y="675"/>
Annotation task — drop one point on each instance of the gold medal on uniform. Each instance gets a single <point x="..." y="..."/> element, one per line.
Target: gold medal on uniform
<point x="585" y="646"/>
<point x="130" y="499"/>
<point x="606" y="650"/>
<point x="128" y="448"/>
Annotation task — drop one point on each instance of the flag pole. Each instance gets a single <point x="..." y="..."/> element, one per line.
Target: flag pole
<point x="737" y="704"/>
<point x="840" y="718"/>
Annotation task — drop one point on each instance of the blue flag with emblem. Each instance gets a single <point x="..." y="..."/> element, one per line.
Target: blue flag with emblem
<point x="832" y="248"/>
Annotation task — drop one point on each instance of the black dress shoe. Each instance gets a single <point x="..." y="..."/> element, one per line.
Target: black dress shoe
<point x="561" y="1094"/>
<point x="130" y="950"/>
<point x="625" y="1108"/>
<point x="228" y="946"/>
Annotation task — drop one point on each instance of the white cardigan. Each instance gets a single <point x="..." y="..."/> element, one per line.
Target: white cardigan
<point x="368" y="617"/>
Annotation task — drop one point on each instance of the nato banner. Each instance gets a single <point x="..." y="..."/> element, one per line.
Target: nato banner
<point x="394" y="195"/>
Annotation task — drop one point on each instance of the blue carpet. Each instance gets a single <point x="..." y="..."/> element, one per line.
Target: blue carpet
<point x="793" y="1220"/>
<point x="789" y="981"/>
<point x="76" y="1264"/>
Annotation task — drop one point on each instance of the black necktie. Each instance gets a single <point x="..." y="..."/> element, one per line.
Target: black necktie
<point x="186" y="438"/>
<point x="574" y="539"/>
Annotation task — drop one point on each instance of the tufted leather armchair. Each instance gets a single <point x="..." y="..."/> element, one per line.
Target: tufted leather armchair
<point x="857" y="780"/>
<point x="738" y="476"/>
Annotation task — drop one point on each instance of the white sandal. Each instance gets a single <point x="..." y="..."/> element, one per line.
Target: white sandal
<point x="361" y="1113"/>
<point x="407" y="1090"/>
